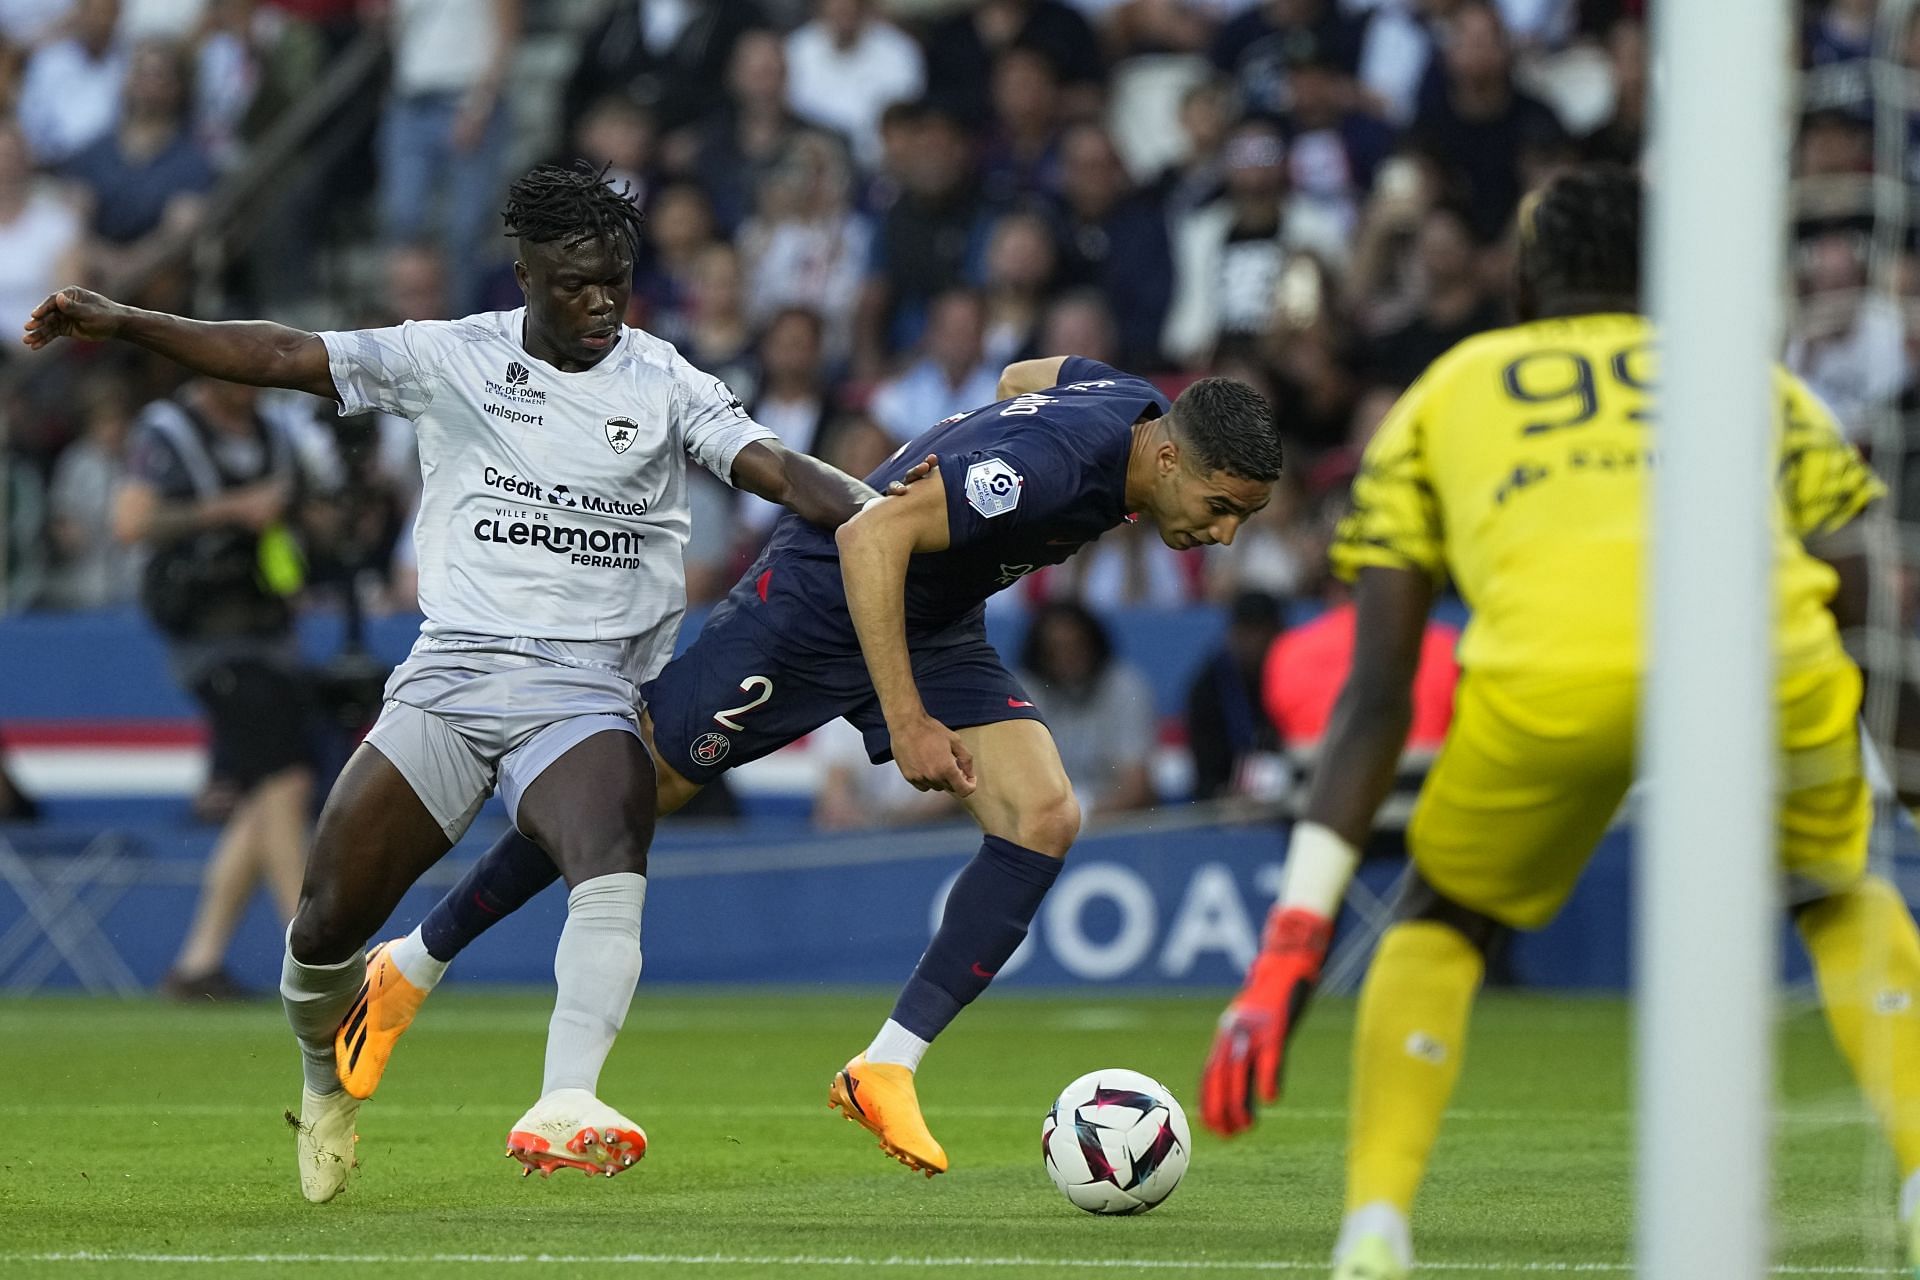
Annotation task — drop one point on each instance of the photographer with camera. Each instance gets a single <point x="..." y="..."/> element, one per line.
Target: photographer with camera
<point x="211" y="486"/>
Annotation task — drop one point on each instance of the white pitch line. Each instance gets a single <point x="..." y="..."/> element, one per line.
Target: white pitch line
<point x="814" y="1260"/>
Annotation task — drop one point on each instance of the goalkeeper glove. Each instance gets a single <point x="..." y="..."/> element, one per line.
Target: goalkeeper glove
<point x="1251" y="1041"/>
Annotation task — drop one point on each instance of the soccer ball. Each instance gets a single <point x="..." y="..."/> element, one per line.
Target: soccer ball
<point x="1116" y="1142"/>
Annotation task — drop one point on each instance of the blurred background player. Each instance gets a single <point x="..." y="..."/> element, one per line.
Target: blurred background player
<point x="550" y="578"/>
<point x="1543" y="433"/>
<point x="883" y="624"/>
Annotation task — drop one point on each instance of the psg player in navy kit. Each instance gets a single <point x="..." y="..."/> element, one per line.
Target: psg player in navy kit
<point x="881" y="623"/>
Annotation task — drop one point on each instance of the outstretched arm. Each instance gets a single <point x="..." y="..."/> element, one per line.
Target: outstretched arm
<point x="875" y="548"/>
<point x="1354" y="774"/>
<point x="1846" y="552"/>
<point x="255" y="352"/>
<point x="811" y="489"/>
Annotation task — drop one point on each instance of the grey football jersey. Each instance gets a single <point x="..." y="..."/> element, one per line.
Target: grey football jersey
<point x="553" y="505"/>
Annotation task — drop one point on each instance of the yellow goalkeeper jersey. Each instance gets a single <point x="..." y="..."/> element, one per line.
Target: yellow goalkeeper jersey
<point x="1519" y="465"/>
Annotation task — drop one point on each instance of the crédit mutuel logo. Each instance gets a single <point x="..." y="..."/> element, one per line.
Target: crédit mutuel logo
<point x="518" y="385"/>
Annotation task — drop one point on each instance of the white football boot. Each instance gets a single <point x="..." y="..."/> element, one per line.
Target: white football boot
<point x="1370" y="1258"/>
<point x="572" y="1129"/>
<point x="323" y="1142"/>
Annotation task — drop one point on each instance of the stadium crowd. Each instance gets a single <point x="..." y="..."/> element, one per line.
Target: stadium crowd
<point x="857" y="212"/>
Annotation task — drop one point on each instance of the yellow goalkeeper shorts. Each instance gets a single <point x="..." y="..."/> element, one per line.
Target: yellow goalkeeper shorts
<point x="1534" y="769"/>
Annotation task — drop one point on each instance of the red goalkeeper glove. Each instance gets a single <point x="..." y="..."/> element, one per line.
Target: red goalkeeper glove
<point x="1252" y="1038"/>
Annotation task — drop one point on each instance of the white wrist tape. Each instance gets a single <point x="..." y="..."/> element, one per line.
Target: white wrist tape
<point x="1320" y="864"/>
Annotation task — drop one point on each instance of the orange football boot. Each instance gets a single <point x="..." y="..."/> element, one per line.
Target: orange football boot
<point x="380" y="1015"/>
<point x="879" y="1097"/>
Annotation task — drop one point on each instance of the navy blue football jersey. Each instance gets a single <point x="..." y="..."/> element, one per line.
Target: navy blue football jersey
<point x="1029" y="481"/>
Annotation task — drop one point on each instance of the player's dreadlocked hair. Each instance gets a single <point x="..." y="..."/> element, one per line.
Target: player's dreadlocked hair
<point x="1580" y="235"/>
<point x="556" y="203"/>
<point x="1230" y="428"/>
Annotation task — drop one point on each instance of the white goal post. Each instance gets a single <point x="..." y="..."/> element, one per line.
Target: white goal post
<point x="1706" y="892"/>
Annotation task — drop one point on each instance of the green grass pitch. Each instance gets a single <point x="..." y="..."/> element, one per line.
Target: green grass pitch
<point x="147" y="1140"/>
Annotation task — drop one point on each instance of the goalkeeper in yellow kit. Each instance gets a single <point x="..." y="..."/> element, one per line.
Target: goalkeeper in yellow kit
<point x="1519" y="466"/>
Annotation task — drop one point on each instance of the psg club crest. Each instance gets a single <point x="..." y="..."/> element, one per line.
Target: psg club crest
<point x="710" y="748"/>
<point x="620" y="433"/>
<point x="516" y="374"/>
<point x="993" y="487"/>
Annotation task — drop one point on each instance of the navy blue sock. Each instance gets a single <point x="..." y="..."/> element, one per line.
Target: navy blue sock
<point x="505" y="879"/>
<point x="987" y="915"/>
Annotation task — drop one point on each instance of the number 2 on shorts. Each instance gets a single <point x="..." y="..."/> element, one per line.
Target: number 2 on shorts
<point x="725" y="719"/>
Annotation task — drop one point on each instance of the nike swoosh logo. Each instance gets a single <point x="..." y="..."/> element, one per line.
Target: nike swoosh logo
<point x="1016" y="704"/>
<point x="978" y="972"/>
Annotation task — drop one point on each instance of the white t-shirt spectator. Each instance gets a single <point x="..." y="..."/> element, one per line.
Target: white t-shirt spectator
<point x="101" y="571"/>
<point x="1110" y="728"/>
<point x="26" y="23"/>
<point x="441" y="46"/>
<point x="911" y="403"/>
<point x="69" y="99"/>
<point x="848" y="89"/>
<point x="32" y="249"/>
<point x="1859" y="370"/>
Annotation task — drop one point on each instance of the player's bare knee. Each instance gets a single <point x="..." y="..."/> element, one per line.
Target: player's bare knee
<point x="1049" y="825"/>
<point x="324" y="931"/>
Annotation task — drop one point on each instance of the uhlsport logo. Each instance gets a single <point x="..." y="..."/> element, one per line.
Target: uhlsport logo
<point x="620" y="433"/>
<point x="710" y="748"/>
<point x="516" y="374"/>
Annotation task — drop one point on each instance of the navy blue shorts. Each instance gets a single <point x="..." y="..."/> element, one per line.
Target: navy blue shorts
<point x="736" y="694"/>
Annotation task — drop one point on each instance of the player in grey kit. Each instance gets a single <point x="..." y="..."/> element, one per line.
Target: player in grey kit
<point x="552" y="519"/>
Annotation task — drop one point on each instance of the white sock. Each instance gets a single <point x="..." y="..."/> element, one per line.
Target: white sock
<point x="1376" y="1219"/>
<point x="316" y="997"/>
<point x="897" y="1045"/>
<point x="416" y="963"/>
<point x="1909" y="1196"/>
<point x="596" y="967"/>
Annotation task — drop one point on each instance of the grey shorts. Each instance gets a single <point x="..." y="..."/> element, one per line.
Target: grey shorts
<point x="458" y="725"/>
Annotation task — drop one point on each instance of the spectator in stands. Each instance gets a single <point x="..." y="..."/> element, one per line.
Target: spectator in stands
<point x="807" y="246"/>
<point x="952" y="376"/>
<point x="1254" y="48"/>
<point x="28" y="23"/>
<point x="670" y="56"/>
<point x="927" y="239"/>
<point x="1115" y="241"/>
<point x="209" y="490"/>
<point x="856" y="794"/>
<point x="719" y="337"/>
<point x="1231" y="254"/>
<point x="444" y="129"/>
<point x="1308" y="664"/>
<point x="229" y="64"/>
<point x="1480" y="125"/>
<point x="618" y="132"/>
<point x="1397" y="54"/>
<point x="70" y="95"/>
<point x="1623" y="136"/>
<point x="792" y="400"/>
<point x="1099" y="708"/>
<point x="1228" y="732"/>
<point x="1208" y="110"/>
<point x="42" y="236"/>
<point x="1847" y="341"/>
<point x="1079" y="321"/>
<point x="1840" y="31"/>
<point x="1333" y="149"/>
<point x="1020" y="276"/>
<point x="92" y="568"/>
<point x="414" y="284"/>
<point x="1022" y="158"/>
<point x="678" y="229"/>
<point x="1451" y="302"/>
<point x="737" y="150"/>
<point x="147" y="181"/>
<point x="849" y="65"/>
<point x="962" y="49"/>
